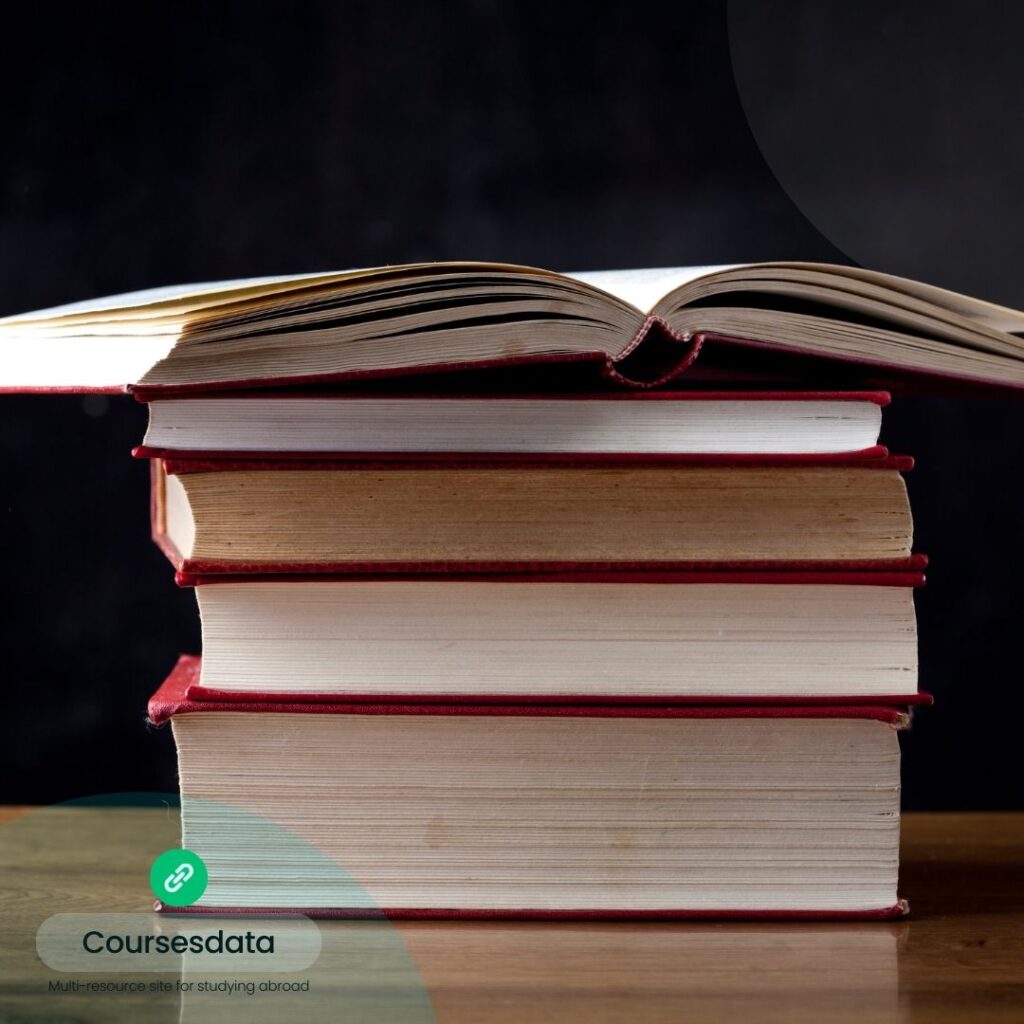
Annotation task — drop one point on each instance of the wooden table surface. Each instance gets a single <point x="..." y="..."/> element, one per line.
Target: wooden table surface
<point x="959" y="957"/>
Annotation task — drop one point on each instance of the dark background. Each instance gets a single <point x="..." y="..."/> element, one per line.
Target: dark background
<point x="146" y="145"/>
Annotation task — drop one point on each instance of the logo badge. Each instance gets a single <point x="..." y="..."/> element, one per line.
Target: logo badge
<point x="178" y="877"/>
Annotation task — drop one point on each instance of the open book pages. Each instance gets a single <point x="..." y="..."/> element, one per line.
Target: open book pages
<point x="431" y="316"/>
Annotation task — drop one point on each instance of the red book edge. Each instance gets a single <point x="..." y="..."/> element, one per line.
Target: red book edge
<point x="178" y="465"/>
<point x="216" y="460"/>
<point x="173" y="698"/>
<point x="876" y="397"/>
<point x="899" y="909"/>
<point x="867" y="578"/>
<point x="199" y="694"/>
<point x="896" y="572"/>
<point x="67" y="389"/>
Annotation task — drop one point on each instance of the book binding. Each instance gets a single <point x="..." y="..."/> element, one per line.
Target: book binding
<point x="899" y="909"/>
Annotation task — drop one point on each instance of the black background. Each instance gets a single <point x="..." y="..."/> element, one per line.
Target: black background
<point x="146" y="145"/>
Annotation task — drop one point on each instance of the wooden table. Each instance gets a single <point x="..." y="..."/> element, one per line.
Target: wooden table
<point x="959" y="957"/>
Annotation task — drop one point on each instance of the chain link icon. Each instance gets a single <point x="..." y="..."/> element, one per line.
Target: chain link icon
<point x="174" y="881"/>
<point x="178" y="877"/>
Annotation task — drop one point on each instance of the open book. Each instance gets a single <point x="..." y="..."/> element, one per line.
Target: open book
<point x="645" y="326"/>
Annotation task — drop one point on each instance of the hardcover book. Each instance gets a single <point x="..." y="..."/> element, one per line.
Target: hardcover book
<point x="550" y="811"/>
<point x="343" y="516"/>
<point x="653" y="638"/>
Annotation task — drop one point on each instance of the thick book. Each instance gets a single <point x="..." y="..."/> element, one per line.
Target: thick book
<point x="538" y="811"/>
<point x="642" y="327"/>
<point x="654" y="423"/>
<point x="655" y="638"/>
<point x="570" y="513"/>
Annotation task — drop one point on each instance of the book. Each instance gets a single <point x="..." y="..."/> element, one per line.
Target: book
<point x="466" y="810"/>
<point x="641" y="326"/>
<point x="324" y="516"/>
<point x="642" y="422"/>
<point x="640" y="638"/>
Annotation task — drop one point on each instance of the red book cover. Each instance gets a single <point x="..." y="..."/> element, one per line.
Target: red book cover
<point x="876" y="397"/>
<point x="172" y="699"/>
<point x="876" y="458"/>
<point x="213" y="461"/>
<point x="899" y="909"/>
<point x="908" y="573"/>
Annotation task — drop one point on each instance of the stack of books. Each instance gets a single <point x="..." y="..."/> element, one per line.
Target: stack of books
<point x="472" y="648"/>
<point x="640" y="655"/>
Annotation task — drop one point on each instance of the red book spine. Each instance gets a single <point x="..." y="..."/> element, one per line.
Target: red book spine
<point x="899" y="909"/>
<point x="907" y="574"/>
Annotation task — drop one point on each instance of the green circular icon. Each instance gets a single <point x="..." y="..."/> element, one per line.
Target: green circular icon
<point x="178" y="877"/>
